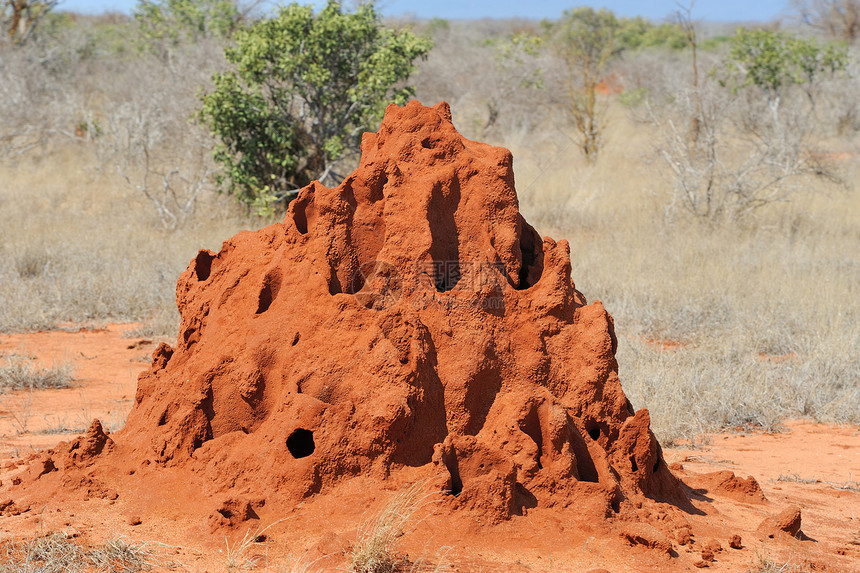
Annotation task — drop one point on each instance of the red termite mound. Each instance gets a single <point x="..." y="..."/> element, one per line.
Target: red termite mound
<point x="408" y="317"/>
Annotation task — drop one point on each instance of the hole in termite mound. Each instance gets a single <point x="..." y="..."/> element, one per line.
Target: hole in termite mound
<point x="456" y="480"/>
<point x="301" y="443"/>
<point x="203" y="265"/>
<point x="271" y="286"/>
<point x="531" y="252"/>
<point x="303" y="209"/>
<point x="531" y="425"/>
<point x="453" y="467"/>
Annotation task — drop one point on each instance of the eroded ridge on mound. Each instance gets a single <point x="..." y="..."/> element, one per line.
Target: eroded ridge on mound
<point x="408" y="317"/>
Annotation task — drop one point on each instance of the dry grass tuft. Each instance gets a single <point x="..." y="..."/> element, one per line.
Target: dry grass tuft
<point x="238" y="555"/>
<point x="795" y="478"/>
<point x="57" y="553"/>
<point x="765" y="564"/>
<point x="19" y="373"/>
<point x="375" y="550"/>
<point x="300" y="565"/>
<point x="120" y="556"/>
<point x="237" y="558"/>
<point x="849" y="485"/>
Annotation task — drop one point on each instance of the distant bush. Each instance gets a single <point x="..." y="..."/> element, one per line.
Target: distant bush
<point x="639" y="33"/>
<point x="755" y="127"/>
<point x="839" y="19"/>
<point x="587" y="40"/>
<point x="515" y="70"/>
<point x="773" y="62"/>
<point x="164" y="24"/>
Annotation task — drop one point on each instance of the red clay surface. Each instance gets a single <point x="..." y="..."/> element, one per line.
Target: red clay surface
<point x="106" y="367"/>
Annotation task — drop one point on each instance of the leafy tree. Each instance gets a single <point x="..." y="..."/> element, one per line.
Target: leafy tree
<point x="773" y="61"/>
<point x="437" y="26"/>
<point x="304" y="88"/>
<point x="164" y="24"/>
<point x="587" y="40"/>
<point x="19" y="18"/>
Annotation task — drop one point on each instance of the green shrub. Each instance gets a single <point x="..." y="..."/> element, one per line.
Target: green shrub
<point x="773" y="61"/>
<point x="304" y="88"/>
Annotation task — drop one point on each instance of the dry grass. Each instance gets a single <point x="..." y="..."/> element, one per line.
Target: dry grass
<point x="238" y="555"/>
<point x="765" y="564"/>
<point x="849" y="485"/>
<point x="376" y="548"/>
<point x="19" y="373"/>
<point x="80" y="246"/>
<point x="765" y="316"/>
<point x="252" y="551"/>
<point x="57" y="553"/>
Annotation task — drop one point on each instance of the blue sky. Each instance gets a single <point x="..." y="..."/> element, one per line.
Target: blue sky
<point x="713" y="10"/>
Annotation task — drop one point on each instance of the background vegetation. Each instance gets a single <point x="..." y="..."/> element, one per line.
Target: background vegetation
<point x="723" y="237"/>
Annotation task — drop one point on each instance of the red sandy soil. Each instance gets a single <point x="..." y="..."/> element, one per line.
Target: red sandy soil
<point x="106" y="366"/>
<point x="810" y="466"/>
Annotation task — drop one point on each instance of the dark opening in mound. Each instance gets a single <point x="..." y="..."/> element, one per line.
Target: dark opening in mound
<point x="301" y="443"/>
<point x="271" y="285"/>
<point x="203" y="265"/>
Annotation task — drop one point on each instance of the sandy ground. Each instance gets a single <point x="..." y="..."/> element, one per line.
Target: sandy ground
<point x="810" y="466"/>
<point x="106" y="365"/>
